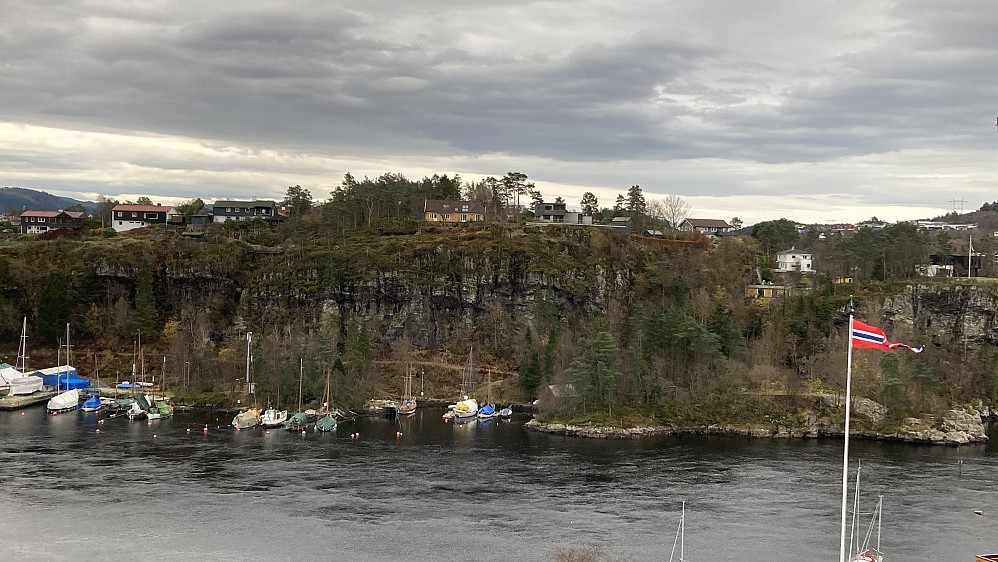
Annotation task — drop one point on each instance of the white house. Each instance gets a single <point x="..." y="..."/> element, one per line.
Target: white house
<point x="794" y="260"/>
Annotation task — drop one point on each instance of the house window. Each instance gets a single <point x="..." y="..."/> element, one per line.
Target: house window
<point x="151" y="216"/>
<point x="433" y="216"/>
<point x="446" y="216"/>
<point x="478" y="217"/>
<point x="464" y="218"/>
<point x="228" y="209"/>
<point x="41" y="219"/>
<point x="135" y="215"/>
<point x="119" y="214"/>
<point x="464" y="208"/>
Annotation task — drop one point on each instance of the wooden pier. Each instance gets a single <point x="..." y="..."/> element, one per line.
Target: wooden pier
<point x="25" y="400"/>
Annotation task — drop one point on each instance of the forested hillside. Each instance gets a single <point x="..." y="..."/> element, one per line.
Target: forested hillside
<point x="599" y="325"/>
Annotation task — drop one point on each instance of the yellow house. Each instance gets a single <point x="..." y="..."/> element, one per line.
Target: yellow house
<point x="440" y="210"/>
<point x="765" y="291"/>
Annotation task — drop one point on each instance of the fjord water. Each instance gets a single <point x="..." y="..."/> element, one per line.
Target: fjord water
<point x="475" y="491"/>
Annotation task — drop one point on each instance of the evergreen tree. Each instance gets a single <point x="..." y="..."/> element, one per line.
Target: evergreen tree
<point x="589" y="203"/>
<point x="145" y="304"/>
<point x="595" y="370"/>
<point x="636" y="200"/>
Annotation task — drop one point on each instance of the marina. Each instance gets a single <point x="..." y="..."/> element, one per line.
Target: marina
<point x="488" y="482"/>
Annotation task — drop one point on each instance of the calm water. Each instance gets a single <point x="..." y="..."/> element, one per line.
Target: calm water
<point x="474" y="492"/>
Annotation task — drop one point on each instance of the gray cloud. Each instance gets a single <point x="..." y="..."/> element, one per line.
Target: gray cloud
<point x="642" y="87"/>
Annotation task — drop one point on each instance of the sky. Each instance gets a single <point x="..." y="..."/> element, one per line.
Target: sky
<point x="813" y="111"/>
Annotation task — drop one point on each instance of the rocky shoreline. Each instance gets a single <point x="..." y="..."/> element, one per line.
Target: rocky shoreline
<point x="958" y="427"/>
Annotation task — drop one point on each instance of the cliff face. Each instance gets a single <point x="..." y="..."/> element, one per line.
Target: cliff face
<point x="432" y="299"/>
<point x="950" y="314"/>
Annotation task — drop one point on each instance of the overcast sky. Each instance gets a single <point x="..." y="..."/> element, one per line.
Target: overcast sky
<point x="814" y="111"/>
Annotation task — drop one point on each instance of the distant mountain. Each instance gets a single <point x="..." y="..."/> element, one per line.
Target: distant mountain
<point x="18" y="199"/>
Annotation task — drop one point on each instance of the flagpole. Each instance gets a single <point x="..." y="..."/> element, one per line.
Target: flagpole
<point x="845" y="451"/>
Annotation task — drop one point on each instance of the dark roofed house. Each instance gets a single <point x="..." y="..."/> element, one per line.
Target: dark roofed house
<point x="442" y="210"/>
<point x="245" y="210"/>
<point x="127" y="217"/>
<point x="709" y="227"/>
<point x="44" y="221"/>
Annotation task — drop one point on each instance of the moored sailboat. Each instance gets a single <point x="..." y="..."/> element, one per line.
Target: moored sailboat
<point x="328" y="421"/>
<point x="407" y="405"/>
<point x="64" y="402"/>
<point x="299" y="421"/>
<point x="467" y="407"/>
<point x="489" y="409"/>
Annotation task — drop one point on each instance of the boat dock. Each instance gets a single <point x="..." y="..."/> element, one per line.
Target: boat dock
<point x="25" y="400"/>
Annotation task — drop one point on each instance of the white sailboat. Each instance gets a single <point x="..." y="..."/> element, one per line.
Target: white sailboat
<point x="865" y="552"/>
<point x="680" y="538"/>
<point x="407" y="405"/>
<point x="64" y="402"/>
<point x="273" y="417"/>
<point x="468" y="406"/>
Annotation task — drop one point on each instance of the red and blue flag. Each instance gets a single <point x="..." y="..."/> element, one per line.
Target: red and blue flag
<point x="869" y="337"/>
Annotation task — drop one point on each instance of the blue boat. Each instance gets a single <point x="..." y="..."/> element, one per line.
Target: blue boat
<point x="91" y="404"/>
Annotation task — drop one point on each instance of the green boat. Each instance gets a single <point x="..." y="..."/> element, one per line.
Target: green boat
<point x="120" y="405"/>
<point x="159" y="410"/>
<point x="328" y="421"/>
<point x="296" y="422"/>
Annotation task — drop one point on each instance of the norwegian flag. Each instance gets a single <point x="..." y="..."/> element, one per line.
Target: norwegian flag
<point x="869" y="337"/>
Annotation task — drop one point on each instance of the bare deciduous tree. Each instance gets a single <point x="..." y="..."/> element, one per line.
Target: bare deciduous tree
<point x="676" y="210"/>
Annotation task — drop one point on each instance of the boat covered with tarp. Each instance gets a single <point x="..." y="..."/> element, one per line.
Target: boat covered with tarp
<point x="296" y="422"/>
<point x="91" y="404"/>
<point x="465" y="408"/>
<point x="66" y="401"/>
<point x="14" y="382"/>
<point x="247" y="419"/>
<point x="159" y="410"/>
<point x="120" y="405"/>
<point x="488" y="411"/>
<point x="326" y="423"/>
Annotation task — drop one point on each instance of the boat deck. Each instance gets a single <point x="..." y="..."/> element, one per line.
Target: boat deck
<point x="987" y="558"/>
<point x="25" y="400"/>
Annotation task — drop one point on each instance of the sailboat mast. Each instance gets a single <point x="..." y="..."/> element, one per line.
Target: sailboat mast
<point x="880" y="520"/>
<point x="22" y="348"/>
<point x="301" y="375"/>
<point x="855" y="509"/>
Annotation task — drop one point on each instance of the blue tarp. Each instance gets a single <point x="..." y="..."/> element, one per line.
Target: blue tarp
<point x="487" y="409"/>
<point x="92" y="402"/>
<point x="65" y="384"/>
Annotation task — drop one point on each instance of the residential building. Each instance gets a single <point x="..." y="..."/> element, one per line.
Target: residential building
<point x="794" y="260"/>
<point x="442" y="210"/>
<point x="558" y="213"/>
<point x="127" y="217"/>
<point x="709" y="227"/>
<point x="765" y="291"/>
<point x="245" y="210"/>
<point x="33" y="222"/>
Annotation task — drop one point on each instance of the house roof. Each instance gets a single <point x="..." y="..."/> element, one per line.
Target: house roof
<point x="718" y="223"/>
<point x="445" y="206"/>
<point x="52" y="214"/>
<point x="260" y="203"/>
<point x="143" y="208"/>
<point x="794" y="251"/>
